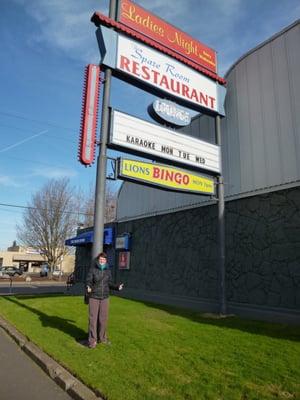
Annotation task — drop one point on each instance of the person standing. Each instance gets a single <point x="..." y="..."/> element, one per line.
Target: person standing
<point x="98" y="284"/>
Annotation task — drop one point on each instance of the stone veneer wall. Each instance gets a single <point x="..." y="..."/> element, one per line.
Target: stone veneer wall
<point x="263" y="249"/>
<point x="176" y="254"/>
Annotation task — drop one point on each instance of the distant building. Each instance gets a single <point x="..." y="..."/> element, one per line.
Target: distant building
<point x="31" y="260"/>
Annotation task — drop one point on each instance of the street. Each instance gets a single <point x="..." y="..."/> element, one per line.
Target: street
<point x="8" y="287"/>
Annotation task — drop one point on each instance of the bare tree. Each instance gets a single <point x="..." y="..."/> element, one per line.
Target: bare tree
<point x="88" y="206"/>
<point x="50" y="219"/>
<point x="110" y="203"/>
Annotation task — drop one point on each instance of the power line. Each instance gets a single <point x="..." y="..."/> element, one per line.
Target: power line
<point x="35" y="120"/>
<point x="35" y="162"/>
<point x="35" y="208"/>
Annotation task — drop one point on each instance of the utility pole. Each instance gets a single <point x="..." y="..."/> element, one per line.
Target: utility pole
<point x="221" y="226"/>
<point x="101" y="159"/>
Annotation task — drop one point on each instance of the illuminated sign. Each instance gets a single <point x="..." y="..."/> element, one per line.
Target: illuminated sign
<point x="144" y="22"/>
<point x="153" y="70"/>
<point x="89" y="113"/>
<point x="165" y="177"/>
<point x="166" y="74"/>
<point x="154" y="141"/>
<point x="165" y="111"/>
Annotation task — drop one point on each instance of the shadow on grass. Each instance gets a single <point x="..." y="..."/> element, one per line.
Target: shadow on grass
<point x="273" y="330"/>
<point x="68" y="326"/>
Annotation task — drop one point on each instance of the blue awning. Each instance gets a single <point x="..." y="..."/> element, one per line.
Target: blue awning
<point x="88" y="237"/>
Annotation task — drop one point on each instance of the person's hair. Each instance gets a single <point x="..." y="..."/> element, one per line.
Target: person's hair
<point x="102" y="254"/>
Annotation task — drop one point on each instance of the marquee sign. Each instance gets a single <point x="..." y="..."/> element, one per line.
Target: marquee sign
<point x="165" y="177"/>
<point x="153" y="141"/>
<point x="148" y="24"/>
<point x="165" y="111"/>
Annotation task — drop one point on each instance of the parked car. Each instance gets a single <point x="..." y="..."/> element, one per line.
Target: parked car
<point x="11" y="271"/>
<point x="57" y="272"/>
<point x="44" y="270"/>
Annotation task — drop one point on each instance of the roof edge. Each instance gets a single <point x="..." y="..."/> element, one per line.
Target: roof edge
<point x="270" y="39"/>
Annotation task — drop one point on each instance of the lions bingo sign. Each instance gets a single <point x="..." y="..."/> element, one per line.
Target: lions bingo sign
<point x="165" y="177"/>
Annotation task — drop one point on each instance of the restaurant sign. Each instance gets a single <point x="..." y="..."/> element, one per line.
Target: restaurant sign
<point x="148" y="24"/>
<point x="165" y="73"/>
<point x="158" y="71"/>
<point x="165" y="177"/>
<point x="156" y="142"/>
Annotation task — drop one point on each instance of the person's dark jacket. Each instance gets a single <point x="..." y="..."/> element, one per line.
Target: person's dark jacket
<point x="100" y="282"/>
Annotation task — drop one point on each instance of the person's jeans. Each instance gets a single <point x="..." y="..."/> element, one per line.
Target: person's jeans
<point x="98" y="316"/>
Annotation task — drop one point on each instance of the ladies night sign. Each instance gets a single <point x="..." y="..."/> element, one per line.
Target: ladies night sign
<point x="142" y="21"/>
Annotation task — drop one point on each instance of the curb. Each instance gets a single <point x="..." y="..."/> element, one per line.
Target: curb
<point x="76" y="389"/>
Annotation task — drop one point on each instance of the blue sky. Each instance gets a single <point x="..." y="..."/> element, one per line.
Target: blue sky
<point x="45" y="45"/>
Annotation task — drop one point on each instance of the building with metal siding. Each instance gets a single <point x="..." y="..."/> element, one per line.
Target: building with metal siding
<point x="260" y="134"/>
<point x="261" y="167"/>
<point x="173" y="257"/>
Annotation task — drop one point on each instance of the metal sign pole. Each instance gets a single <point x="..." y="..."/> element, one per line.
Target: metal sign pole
<point x="221" y="227"/>
<point x="101" y="159"/>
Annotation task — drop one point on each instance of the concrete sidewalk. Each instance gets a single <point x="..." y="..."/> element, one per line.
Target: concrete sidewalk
<point x="22" y="379"/>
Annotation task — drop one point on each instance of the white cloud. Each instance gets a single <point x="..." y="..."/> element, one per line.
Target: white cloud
<point x="9" y="181"/>
<point x="65" y="25"/>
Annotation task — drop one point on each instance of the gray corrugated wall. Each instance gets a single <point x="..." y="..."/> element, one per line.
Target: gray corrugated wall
<point x="260" y="135"/>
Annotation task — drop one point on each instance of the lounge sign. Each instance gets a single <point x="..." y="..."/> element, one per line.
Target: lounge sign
<point x="167" y="112"/>
<point x="142" y="21"/>
<point x="164" y="73"/>
<point x="156" y="142"/>
<point x="165" y="177"/>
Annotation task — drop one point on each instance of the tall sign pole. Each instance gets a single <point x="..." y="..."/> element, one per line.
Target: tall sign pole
<point x="101" y="160"/>
<point x="221" y="227"/>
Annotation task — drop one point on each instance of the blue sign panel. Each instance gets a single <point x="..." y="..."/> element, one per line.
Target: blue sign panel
<point x="165" y="111"/>
<point x="123" y="242"/>
<point x="88" y="237"/>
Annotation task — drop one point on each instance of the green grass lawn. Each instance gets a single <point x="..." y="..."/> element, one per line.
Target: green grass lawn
<point x="160" y="352"/>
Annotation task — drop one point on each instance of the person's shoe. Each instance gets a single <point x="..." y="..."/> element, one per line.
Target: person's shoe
<point x="92" y="345"/>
